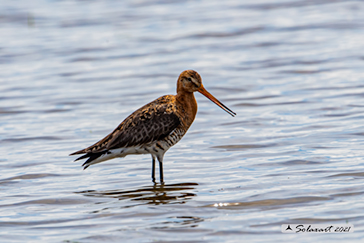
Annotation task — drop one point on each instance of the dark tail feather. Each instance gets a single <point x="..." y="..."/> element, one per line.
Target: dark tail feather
<point x="79" y="152"/>
<point x="83" y="157"/>
<point x="91" y="157"/>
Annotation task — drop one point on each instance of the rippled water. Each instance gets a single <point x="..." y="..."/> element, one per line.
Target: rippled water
<point x="71" y="71"/>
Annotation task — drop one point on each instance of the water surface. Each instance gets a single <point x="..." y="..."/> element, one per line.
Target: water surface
<point x="71" y="71"/>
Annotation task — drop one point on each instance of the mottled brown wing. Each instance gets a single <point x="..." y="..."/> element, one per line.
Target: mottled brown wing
<point x="152" y="122"/>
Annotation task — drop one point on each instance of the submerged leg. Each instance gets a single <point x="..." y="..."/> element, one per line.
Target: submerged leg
<point x="153" y="168"/>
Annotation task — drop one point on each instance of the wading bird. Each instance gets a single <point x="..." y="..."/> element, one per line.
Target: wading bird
<point x="153" y="128"/>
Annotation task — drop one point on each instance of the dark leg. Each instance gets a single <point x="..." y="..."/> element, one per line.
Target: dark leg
<point x="161" y="171"/>
<point x="160" y="160"/>
<point x="153" y="168"/>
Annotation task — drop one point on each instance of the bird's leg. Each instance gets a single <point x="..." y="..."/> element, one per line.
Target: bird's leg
<point x="160" y="160"/>
<point x="161" y="172"/>
<point x="153" y="168"/>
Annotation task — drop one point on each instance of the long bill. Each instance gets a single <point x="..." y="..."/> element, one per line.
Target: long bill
<point x="203" y="91"/>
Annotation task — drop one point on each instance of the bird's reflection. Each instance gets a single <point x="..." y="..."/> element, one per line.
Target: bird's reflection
<point x="156" y="194"/>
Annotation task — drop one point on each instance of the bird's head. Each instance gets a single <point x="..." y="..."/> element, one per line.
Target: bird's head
<point x="190" y="81"/>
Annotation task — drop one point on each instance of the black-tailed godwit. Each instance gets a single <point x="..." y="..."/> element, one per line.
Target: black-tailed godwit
<point x="153" y="128"/>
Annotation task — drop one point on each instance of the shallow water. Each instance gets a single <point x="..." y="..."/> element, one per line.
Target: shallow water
<point x="71" y="71"/>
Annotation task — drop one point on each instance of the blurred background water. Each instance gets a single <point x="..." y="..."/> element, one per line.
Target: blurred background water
<point x="71" y="71"/>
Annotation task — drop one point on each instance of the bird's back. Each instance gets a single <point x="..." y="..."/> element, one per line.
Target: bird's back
<point x="150" y="124"/>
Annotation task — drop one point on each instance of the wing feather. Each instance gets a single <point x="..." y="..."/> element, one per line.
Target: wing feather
<point x="151" y="122"/>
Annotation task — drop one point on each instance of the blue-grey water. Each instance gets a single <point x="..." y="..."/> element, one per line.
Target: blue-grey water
<point x="71" y="71"/>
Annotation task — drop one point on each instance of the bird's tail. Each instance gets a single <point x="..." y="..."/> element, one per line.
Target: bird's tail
<point x="93" y="158"/>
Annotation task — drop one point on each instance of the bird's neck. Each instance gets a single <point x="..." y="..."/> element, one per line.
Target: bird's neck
<point x="188" y="102"/>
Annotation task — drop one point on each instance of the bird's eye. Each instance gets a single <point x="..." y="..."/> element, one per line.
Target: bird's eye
<point x="189" y="79"/>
